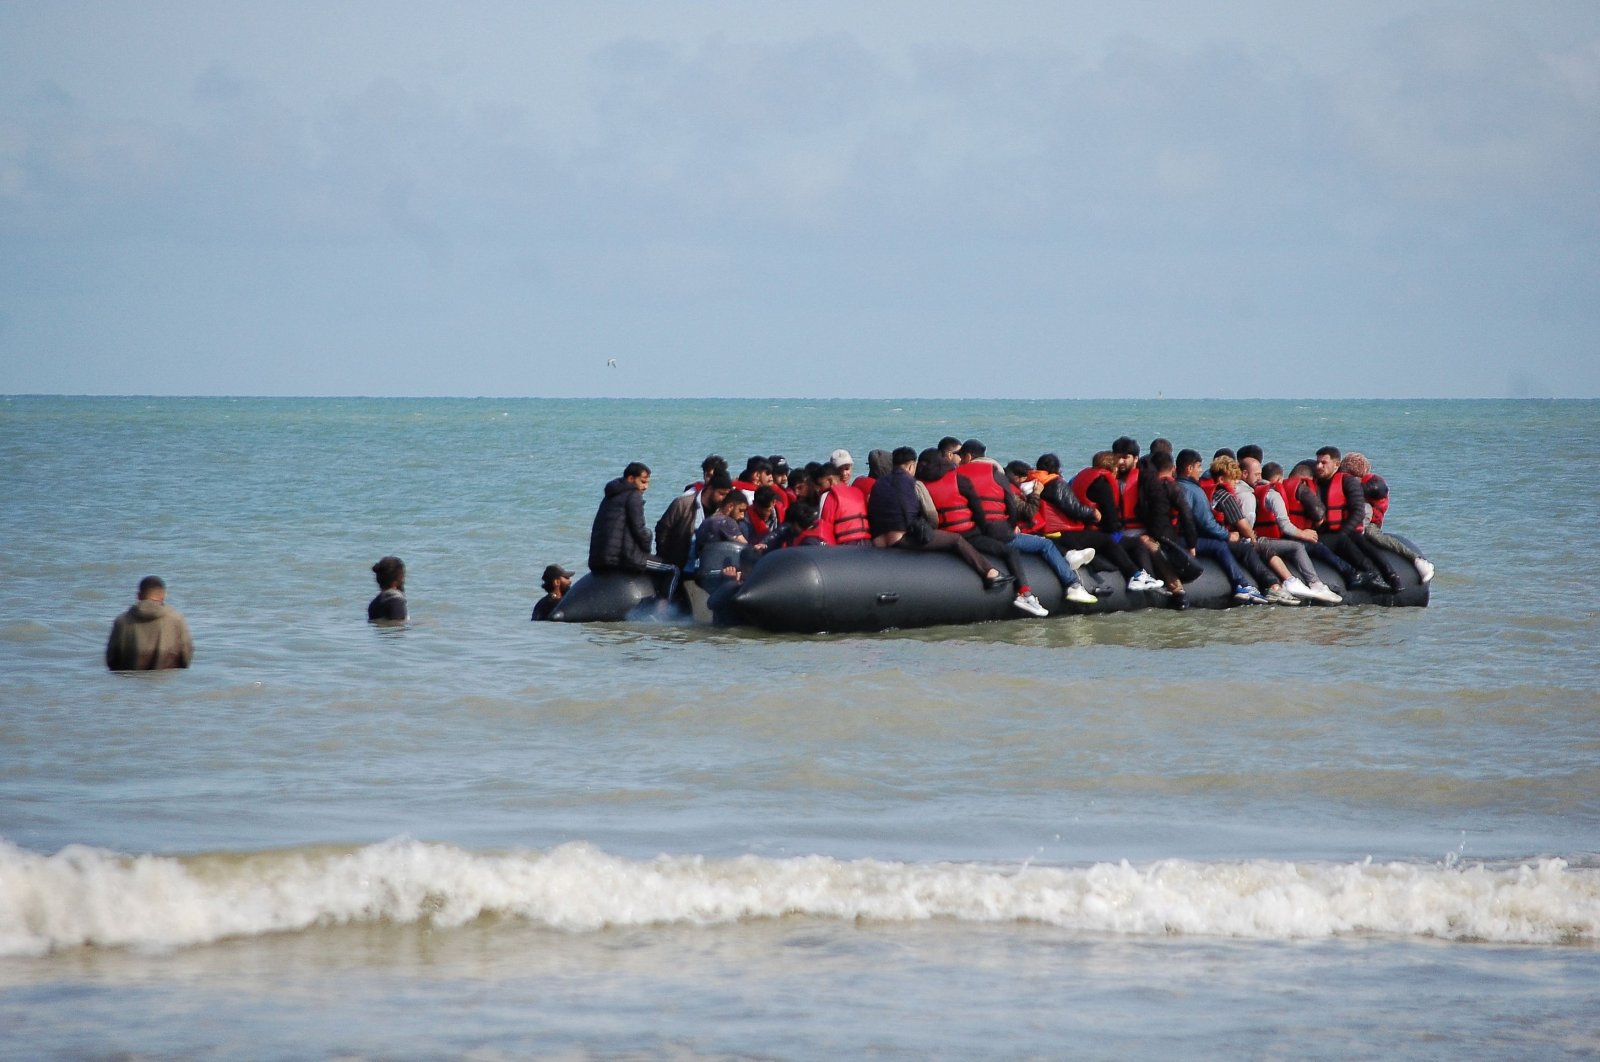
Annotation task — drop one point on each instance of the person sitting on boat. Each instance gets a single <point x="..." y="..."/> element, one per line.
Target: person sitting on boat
<point x="1164" y="513"/>
<point x="1071" y="519"/>
<point x="1000" y="508"/>
<point x="800" y="527"/>
<point x="1215" y="541"/>
<point x="1375" y="491"/>
<point x="725" y="524"/>
<point x="960" y="508"/>
<point x="712" y="463"/>
<point x="878" y="466"/>
<point x="1231" y="513"/>
<point x="1295" y="508"/>
<point x="841" y="460"/>
<point x="1344" y="517"/>
<point x="757" y="473"/>
<point x="684" y="515"/>
<point x="896" y="520"/>
<point x="765" y="513"/>
<point x="1264" y="512"/>
<point x="618" y="539"/>
<point x="843" y="509"/>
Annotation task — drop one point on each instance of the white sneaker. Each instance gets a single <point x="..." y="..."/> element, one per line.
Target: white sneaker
<point x="1425" y="569"/>
<point x="1077" y="558"/>
<point x="1143" y="580"/>
<point x="1299" y="589"/>
<point x="1321" y="592"/>
<point x="1030" y="604"/>
<point x="1080" y="596"/>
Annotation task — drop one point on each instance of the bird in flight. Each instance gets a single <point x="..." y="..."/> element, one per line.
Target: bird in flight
<point x="611" y="363"/>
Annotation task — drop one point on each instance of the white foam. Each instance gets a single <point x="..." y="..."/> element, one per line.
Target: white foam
<point x="85" y="896"/>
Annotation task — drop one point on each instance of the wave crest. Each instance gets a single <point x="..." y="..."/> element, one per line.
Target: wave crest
<point x="84" y="896"/>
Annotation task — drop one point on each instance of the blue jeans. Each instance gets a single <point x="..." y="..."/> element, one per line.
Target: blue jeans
<point x="1218" y="550"/>
<point x="1043" y="547"/>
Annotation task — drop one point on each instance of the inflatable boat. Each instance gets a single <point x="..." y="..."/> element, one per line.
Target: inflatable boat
<point x="841" y="589"/>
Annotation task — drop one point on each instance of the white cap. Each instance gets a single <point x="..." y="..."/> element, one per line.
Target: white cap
<point x="842" y="458"/>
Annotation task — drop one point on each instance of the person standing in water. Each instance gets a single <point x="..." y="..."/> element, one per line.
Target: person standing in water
<point x="556" y="582"/>
<point x="390" y="604"/>
<point x="151" y="635"/>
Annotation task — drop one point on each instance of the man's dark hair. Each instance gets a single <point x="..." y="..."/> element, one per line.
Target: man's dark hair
<point x="1224" y="452"/>
<point x="712" y="463"/>
<point x="1303" y="468"/>
<point x="949" y="442"/>
<point x="1018" y="468"/>
<point x="153" y="582"/>
<point x="766" y="494"/>
<point x="828" y="468"/>
<point x="799" y="477"/>
<point x="388" y="571"/>
<point x="719" y="480"/>
<point x="754" y="465"/>
<point x="1187" y="457"/>
<point x="801" y="514"/>
<point x="1160" y="446"/>
<point x="1161" y="461"/>
<point x="901" y="455"/>
<point x="974" y="448"/>
<point x="1126" y="446"/>
<point x="1330" y="451"/>
<point x="1270" y="469"/>
<point x="1249" y="450"/>
<point x="635" y="468"/>
<point x="1049" y="463"/>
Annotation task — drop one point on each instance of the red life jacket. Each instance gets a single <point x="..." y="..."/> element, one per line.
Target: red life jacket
<point x="991" y="495"/>
<point x="1208" y="484"/>
<point x="1035" y="524"/>
<point x="1128" y="500"/>
<point x="1266" y="524"/>
<point x="844" y="516"/>
<point x="1290" y="489"/>
<point x="864" y="484"/>
<point x="758" y="526"/>
<point x="954" y="512"/>
<point x="808" y="536"/>
<point x="1080" y="484"/>
<point x="1379" y="506"/>
<point x="1335" y="501"/>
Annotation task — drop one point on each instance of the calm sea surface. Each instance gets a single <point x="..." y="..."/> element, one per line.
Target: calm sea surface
<point x="1264" y="832"/>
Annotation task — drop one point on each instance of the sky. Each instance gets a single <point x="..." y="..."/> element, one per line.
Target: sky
<point x="1146" y="198"/>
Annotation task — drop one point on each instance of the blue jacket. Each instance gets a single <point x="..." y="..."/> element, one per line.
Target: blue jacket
<point x="1205" y="521"/>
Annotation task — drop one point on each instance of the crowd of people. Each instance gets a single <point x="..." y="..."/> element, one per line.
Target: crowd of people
<point x="1147" y="515"/>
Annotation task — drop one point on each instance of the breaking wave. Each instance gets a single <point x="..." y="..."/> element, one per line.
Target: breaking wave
<point x="84" y="896"/>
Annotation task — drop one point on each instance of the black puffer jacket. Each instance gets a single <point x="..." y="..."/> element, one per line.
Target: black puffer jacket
<point x="619" y="539"/>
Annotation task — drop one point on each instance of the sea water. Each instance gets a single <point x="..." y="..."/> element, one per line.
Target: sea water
<point x="1281" y="832"/>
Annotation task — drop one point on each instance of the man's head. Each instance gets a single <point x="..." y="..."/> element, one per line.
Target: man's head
<point x="766" y="498"/>
<point x="716" y="489"/>
<point x="734" y="505"/>
<point x="1225" y="469"/>
<point x="1161" y="462"/>
<point x="780" y="469"/>
<point x="1327" y="462"/>
<point x="841" y="460"/>
<point x="904" y="457"/>
<point x="151" y="588"/>
<point x="1160" y="446"/>
<point x="1304" y="470"/>
<point x="1017" y="471"/>
<point x="758" y="470"/>
<point x="970" y="451"/>
<point x="1126" y="451"/>
<point x="712" y="463"/>
<point x="556" y="580"/>
<point x="1250" y="450"/>
<point x="949" y="446"/>
<point x="827" y="477"/>
<point x="1355" y="464"/>
<point x="1187" y="463"/>
<point x="1049" y="464"/>
<point x="1251" y="469"/>
<point x="637" y="473"/>
<point x="1104" y="460"/>
<point x="389" y="571"/>
<point x="1272" y="472"/>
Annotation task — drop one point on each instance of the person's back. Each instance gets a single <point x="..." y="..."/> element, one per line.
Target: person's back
<point x="151" y="635"/>
<point x="618" y="540"/>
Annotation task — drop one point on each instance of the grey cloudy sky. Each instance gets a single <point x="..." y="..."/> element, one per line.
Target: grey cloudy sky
<point x="825" y="199"/>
